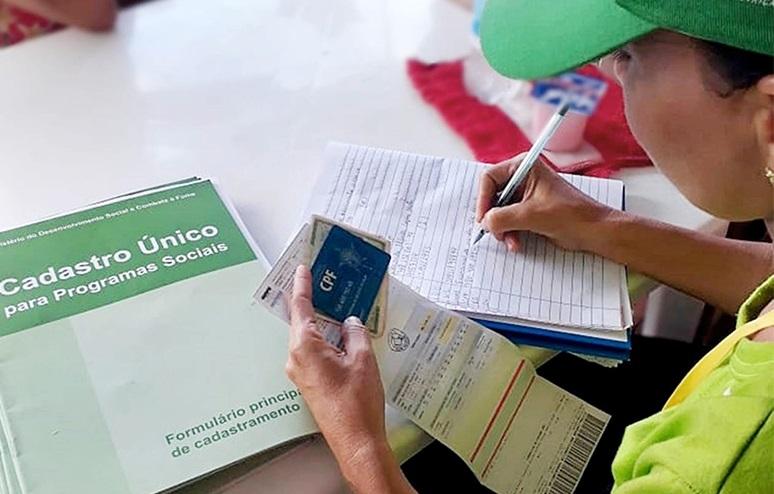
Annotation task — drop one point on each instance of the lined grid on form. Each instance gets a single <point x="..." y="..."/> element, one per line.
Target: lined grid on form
<point x="425" y="206"/>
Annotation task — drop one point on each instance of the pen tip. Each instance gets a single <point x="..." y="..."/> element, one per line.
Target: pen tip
<point x="478" y="237"/>
<point x="564" y="107"/>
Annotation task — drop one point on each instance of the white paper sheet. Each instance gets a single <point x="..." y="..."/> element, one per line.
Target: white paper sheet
<point x="468" y="387"/>
<point x="426" y="205"/>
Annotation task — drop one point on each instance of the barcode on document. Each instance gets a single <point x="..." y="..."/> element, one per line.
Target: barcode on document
<point x="577" y="455"/>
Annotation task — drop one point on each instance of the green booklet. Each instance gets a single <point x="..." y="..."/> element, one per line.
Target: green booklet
<point x="133" y="358"/>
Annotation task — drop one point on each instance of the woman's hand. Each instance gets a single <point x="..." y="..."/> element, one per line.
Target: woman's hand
<point x="344" y="393"/>
<point x="677" y="257"/>
<point x="342" y="388"/>
<point x="549" y="206"/>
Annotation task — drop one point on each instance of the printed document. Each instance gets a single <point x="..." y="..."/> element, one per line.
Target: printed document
<point x="468" y="387"/>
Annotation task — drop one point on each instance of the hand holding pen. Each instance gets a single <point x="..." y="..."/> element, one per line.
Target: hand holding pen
<point x="506" y="194"/>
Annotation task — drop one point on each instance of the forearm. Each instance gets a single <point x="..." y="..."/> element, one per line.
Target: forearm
<point x="372" y="469"/>
<point x="719" y="271"/>
<point x="97" y="15"/>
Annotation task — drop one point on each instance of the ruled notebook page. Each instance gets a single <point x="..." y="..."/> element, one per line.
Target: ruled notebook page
<point x="426" y="207"/>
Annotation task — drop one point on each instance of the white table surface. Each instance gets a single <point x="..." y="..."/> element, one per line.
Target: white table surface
<point x="247" y="92"/>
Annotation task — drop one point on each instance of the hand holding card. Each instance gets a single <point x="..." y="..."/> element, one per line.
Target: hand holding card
<point x="347" y="275"/>
<point x="366" y="261"/>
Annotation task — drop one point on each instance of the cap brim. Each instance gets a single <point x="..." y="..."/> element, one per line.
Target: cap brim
<point x="530" y="39"/>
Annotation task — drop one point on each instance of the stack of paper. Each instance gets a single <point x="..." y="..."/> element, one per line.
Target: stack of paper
<point x="132" y="357"/>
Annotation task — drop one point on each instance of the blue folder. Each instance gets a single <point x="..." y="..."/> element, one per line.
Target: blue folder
<point x="555" y="340"/>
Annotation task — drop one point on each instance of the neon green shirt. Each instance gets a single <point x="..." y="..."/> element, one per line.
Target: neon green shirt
<point x="720" y="439"/>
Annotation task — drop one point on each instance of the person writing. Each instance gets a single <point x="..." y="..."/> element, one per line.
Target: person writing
<point x="698" y="84"/>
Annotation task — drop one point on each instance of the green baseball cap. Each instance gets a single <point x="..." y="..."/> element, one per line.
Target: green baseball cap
<point x="530" y="39"/>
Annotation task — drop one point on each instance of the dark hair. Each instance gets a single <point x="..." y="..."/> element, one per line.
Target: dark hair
<point x="736" y="68"/>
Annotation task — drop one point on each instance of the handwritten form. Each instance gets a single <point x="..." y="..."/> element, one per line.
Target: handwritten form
<point x="426" y="207"/>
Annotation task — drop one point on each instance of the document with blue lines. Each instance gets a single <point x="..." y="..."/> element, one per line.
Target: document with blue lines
<point x="425" y="206"/>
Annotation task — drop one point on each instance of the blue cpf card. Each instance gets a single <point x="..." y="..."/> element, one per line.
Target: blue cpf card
<point x="347" y="275"/>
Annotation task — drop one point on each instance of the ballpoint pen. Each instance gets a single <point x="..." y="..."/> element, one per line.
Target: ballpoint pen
<point x="505" y="195"/>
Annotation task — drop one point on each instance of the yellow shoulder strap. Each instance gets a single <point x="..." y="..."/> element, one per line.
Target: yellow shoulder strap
<point x="715" y="357"/>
